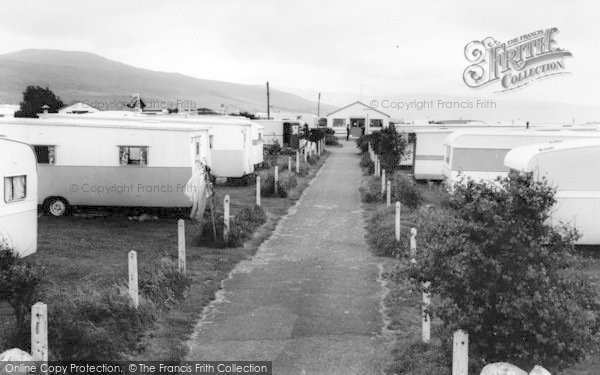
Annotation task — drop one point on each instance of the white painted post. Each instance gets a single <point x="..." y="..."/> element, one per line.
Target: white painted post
<point x="258" y="190"/>
<point x="133" y="279"/>
<point x="289" y="163"/>
<point x="383" y="181"/>
<point x="181" y="245"/>
<point x="460" y="353"/>
<point x="413" y="245"/>
<point x="39" y="332"/>
<point x="389" y="194"/>
<point x="226" y="201"/>
<point x="297" y="162"/>
<point x="376" y="166"/>
<point x="276" y="179"/>
<point x="397" y="221"/>
<point x="426" y="324"/>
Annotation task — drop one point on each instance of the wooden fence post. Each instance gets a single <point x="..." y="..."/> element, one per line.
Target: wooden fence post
<point x="413" y="245"/>
<point x="39" y="332"/>
<point x="426" y="324"/>
<point x="297" y="162"/>
<point x="133" y="278"/>
<point x="226" y="201"/>
<point x="289" y="163"/>
<point x="398" y="221"/>
<point x="460" y="353"/>
<point x="258" y="190"/>
<point x="389" y="193"/>
<point x="276" y="179"/>
<point x="383" y="181"/>
<point x="181" y="245"/>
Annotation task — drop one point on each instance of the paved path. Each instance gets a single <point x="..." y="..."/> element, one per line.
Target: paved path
<point x="307" y="300"/>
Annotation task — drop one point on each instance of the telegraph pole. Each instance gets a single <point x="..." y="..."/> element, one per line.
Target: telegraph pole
<point x="319" y="106"/>
<point x="268" y="103"/>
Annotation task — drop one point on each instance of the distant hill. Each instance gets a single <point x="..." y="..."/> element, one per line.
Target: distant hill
<point x="83" y="76"/>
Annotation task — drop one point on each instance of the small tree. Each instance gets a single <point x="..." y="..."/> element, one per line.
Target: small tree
<point x="34" y="98"/>
<point x="503" y="274"/>
<point x="19" y="286"/>
<point x="388" y="144"/>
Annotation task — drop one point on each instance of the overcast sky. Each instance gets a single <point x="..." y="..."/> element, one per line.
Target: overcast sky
<point x="341" y="48"/>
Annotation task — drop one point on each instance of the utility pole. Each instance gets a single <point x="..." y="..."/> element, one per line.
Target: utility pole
<point x="319" y="106"/>
<point x="268" y="103"/>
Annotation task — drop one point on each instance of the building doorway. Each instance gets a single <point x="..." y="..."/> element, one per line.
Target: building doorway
<point x="357" y="126"/>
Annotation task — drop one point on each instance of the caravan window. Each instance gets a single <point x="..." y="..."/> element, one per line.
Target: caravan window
<point x="44" y="154"/>
<point x="15" y="188"/>
<point x="133" y="155"/>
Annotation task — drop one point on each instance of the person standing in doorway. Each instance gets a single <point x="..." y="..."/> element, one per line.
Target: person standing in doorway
<point x="347" y="132"/>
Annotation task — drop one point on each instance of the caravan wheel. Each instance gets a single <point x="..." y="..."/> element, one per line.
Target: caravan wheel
<point x="57" y="206"/>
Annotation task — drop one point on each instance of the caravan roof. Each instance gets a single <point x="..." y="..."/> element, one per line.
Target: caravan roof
<point x="130" y="120"/>
<point x="525" y="158"/>
<point x="505" y="139"/>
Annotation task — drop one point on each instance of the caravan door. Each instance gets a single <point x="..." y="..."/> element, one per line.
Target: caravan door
<point x="198" y="151"/>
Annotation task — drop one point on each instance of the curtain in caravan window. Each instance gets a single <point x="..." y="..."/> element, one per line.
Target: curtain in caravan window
<point x="15" y="188"/>
<point x="19" y="187"/>
<point x="8" y="190"/>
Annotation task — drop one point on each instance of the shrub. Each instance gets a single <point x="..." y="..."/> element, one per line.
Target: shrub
<point x="96" y="326"/>
<point x="505" y="275"/>
<point x="362" y="143"/>
<point x="367" y="163"/>
<point x="241" y="227"/>
<point x="313" y="160"/>
<point x="162" y="282"/>
<point x="287" y="182"/>
<point x="19" y="286"/>
<point x="381" y="234"/>
<point x="370" y="190"/>
<point x="405" y="190"/>
<point x="331" y="140"/>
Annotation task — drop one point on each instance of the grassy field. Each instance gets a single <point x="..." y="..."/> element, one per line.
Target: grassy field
<point x="403" y="300"/>
<point x="90" y="253"/>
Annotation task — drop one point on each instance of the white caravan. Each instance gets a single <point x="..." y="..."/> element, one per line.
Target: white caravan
<point x="18" y="207"/>
<point x="572" y="168"/>
<point x="94" y="161"/>
<point x="429" y="150"/>
<point x="479" y="154"/>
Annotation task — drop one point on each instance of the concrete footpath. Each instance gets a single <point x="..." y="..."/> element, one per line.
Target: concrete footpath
<point x="308" y="300"/>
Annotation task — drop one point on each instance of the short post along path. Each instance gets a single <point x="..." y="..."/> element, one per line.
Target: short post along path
<point x="309" y="300"/>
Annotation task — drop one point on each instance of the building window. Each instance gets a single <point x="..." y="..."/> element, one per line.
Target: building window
<point x="133" y="155"/>
<point x="376" y="123"/>
<point x="45" y="154"/>
<point x="339" y="122"/>
<point x="15" y="188"/>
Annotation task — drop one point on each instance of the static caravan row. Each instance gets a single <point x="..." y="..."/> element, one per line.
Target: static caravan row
<point x="428" y="148"/>
<point x="128" y="160"/>
<point x="18" y="207"/>
<point x="571" y="167"/>
<point x="479" y="154"/>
